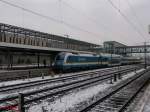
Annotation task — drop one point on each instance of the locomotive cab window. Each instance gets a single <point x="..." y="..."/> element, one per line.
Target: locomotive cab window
<point x="60" y="57"/>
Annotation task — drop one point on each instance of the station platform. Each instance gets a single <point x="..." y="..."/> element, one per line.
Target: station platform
<point x="6" y="75"/>
<point x="144" y="103"/>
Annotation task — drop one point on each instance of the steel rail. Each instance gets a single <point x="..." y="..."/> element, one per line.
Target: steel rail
<point x="133" y="96"/>
<point x="91" y="106"/>
<point x="61" y="86"/>
<point x="39" y="82"/>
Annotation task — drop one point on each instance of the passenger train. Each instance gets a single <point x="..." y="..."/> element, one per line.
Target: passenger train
<point x="66" y="62"/>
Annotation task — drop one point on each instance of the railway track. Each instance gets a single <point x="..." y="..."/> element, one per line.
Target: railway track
<point x="120" y="97"/>
<point x="37" y="95"/>
<point x="15" y="87"/>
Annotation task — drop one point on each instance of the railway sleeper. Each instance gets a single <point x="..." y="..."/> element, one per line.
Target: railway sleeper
<point x="111" y="105"/>
<point x="105" y="109"/>
<point x="114" y="103"/>
<point x="119" y="98"/>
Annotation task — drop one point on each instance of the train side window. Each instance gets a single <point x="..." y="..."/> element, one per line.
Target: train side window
<point x="83" y="59"/>
<point x="72" y="59"/>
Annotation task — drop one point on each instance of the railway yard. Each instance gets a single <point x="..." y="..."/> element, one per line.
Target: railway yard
<point x="114" y="89"/>
<point x="48" y="76"/>
<point x="74" y="56"/>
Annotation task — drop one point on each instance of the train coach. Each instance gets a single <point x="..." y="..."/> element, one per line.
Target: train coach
<point x="66" y="62"/>
<point x="130" y="60"/>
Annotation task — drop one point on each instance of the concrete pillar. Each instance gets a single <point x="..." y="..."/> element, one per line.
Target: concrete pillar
<point x="4" y="37"/>
<point x="0" y="34"/>
<point x="9" y="58"/>
<point x="38" y="60"/>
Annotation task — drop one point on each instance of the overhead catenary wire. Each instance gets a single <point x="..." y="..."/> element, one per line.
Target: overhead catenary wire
<point x="84" y="14"/>
<point x="126" y="19"/>
<point x="30" y="11"/>
<point x="50" y="18"/>
<point x="105" y="27"/>
<point x="68" y="24"/>
<point x="135" y="14"/>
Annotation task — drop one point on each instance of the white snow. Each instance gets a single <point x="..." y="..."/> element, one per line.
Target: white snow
<point x="144" y="104"/>
<point x="22" y="81"/>
<point x="132" y="73"/>
<point x="72" y="99"/>
<point x="5" y="83"/>
<point x="68" y="101"/>
<point x="147" y="107"/>
<point x="3" y="95"/>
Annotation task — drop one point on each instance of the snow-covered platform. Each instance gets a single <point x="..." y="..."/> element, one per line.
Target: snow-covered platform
<point x="144" y="103"/>
<point x="6" y="75"/>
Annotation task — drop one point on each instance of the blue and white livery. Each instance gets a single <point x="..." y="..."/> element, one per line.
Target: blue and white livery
<point x="66" y="62"/>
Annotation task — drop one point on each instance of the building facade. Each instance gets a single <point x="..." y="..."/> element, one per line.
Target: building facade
<point x="26" y="47"/>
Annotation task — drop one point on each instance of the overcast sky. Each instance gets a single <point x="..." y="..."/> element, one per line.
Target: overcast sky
<point x="93" y="21"/>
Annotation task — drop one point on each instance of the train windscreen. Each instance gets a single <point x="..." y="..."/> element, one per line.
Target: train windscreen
<point x="60" y="57"/>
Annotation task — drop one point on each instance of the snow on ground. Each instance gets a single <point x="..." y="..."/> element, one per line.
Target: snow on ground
<point x="24" y="90"/>
<point x="72" y="99"/>
<point x="68" y="101"/>
<point x="147" y="106"/>
<point x="132" y="73"/>
<point x="3" y="95"/>
<point x="42" y="86"/>
<point x="40" y="78"/>
<point x="5" y="83"/>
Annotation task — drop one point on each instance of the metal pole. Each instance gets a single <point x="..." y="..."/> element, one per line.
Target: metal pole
<point x="67" y="41"/>
<point x="111" y="51"/>
<point x="119" y="74"/>
<point x="145" y="53"/>
<point x="38" y="60"/>
<point x="0" y="33"/>
<point x="11" y="60"/>
<point x="21" y="103"/>
<point x="115" y="77"/>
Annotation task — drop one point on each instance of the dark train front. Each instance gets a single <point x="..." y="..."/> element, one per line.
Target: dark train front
<point x="67" y="62"/>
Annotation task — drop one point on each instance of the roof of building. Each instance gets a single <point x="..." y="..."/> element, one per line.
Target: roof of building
<point x="30" y="32"/>
<point x="117" y="44"/>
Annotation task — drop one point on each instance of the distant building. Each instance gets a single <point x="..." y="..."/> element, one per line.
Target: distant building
<point x="109" y="46"/>
<point x="96" y="49"/>
<point x="114" y="43"/>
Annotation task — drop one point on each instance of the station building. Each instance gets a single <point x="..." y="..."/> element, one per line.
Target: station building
<point x="21" y="47"/>
<point x="109" y="46"/>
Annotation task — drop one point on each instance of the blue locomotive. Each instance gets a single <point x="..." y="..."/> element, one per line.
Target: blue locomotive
<point x="66" y="62"/>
